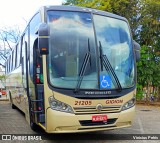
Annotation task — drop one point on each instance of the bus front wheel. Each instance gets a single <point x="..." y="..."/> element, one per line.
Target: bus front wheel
<point x="33" y="126"/>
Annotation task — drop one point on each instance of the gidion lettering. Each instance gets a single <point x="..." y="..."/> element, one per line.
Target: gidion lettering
<point x="114" y="101"/>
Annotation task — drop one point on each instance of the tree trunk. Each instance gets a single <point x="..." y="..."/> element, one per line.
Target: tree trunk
<point x="148" y="93"/>
<point x="158" y="94"/>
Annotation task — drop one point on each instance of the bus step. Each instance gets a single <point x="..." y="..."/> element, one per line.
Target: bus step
<point x="40" y="100"/>
<point x="36" y="111"/>
<point x="42" y="118"/>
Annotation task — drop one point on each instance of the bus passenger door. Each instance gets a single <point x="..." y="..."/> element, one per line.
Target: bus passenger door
<point x="38" y="101"/>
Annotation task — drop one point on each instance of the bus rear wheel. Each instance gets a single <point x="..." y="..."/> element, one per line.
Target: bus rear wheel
<point x="11" y="101"/>
<point x="13" y="106"/>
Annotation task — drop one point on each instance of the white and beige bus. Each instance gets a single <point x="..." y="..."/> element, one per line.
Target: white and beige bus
<point x="74" y="70"/>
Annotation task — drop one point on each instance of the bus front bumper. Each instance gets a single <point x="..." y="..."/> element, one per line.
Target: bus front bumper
<point x="61" y="122"/>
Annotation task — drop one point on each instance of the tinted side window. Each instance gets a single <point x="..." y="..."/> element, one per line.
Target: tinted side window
<point x="18" y="54"/>
<point x="13" y="59"/>
<point x="10" y="62"/>
<point x="36" y="20"/>
<point x="6" y="68"/>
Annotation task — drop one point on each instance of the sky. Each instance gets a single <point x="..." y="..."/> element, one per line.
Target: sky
<point x="17" y="12"/>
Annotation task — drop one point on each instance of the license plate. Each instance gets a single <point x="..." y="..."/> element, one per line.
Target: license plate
<point x="98" y="118"/>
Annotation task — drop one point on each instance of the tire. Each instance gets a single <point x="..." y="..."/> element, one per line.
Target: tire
<point x="33" y="125"/>
<point x="11" y="101"/>
<point x="13" y="106"/>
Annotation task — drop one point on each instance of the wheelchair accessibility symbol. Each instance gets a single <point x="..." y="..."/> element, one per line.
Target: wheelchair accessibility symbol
<point x="105" y="81"/>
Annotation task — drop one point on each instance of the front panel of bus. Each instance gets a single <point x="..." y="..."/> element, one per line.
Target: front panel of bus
<point x="90" y="72"/>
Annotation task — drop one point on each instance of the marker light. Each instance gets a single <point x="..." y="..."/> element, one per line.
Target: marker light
<point x="44" y="49"/>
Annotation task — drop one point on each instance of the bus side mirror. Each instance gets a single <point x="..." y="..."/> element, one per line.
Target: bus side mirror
<point x="137" y="50"/>
<point x="43" y="38"/>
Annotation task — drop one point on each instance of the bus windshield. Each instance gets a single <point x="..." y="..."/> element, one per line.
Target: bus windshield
<point x="73" y="36"/>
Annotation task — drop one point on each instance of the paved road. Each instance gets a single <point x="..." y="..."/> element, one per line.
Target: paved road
<point x="147" y="121"/>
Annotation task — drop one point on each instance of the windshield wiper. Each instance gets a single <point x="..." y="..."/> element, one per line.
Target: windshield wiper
<point x="108" y="67"/>
<point x="82" y="71"/>
<point x="87" y="59"/>
<point x="89" y="51"/>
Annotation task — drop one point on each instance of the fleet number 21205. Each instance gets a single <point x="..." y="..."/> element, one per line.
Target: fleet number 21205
<point x="83" y="102"/>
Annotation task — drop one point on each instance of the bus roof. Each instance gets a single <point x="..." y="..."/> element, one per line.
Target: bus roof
<point x="82" y="9"/>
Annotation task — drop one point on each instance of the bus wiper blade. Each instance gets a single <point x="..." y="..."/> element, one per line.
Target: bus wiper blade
<point x="89" y="50"/>
<point x="101" y="57"/>
<point x="109" y="68"/>
<point x="82" y="71"/>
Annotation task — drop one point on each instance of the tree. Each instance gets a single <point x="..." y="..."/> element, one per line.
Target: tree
<point x="2" y="77"/>
<point x="149" y="36"/>
<point x="8" y="37"/>
<point x="150" y="21"/>
<point x="126" y="8"/>
<point x="145" y="69"/>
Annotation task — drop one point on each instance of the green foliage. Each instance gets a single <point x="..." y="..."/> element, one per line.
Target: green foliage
<point x="150" y="21"/>
<point x="148" y="69"/>
<point x="146" y="66"/>
<point x="2" y="77"/>
<point x="139" y="94"/>
<point x="126" y="8"/>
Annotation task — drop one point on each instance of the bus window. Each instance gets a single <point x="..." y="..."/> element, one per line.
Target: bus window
<point x="33" y="25"/>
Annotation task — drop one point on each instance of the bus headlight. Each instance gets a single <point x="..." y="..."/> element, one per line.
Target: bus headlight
<point x="60" y="106"/>
<point x="129" y="104"/>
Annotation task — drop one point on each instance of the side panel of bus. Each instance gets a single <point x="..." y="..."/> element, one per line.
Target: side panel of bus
<point x="17" y="78"/>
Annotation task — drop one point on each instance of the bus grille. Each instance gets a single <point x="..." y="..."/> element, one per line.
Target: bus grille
<point x="90" y="123"/>
<point x="93" y="110"/>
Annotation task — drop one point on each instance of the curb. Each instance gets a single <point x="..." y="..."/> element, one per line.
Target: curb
<point x="148" y="103"/>
<point x="4" y="99"/>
